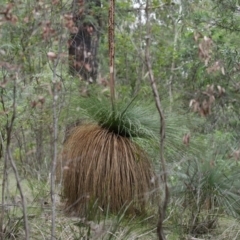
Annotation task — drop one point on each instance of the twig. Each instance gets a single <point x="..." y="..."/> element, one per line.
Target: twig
<point x="54" y="159"/>
<point x="4" y="175"/>
<point x="111" y="50"/>
<point x="162" y="207"/>
<point x="173" y="67"/>
<point x="55" y="92"/>
<point x="10" y="158"/>
<point x="142" y="8"/>
<point x="3" y="189"/>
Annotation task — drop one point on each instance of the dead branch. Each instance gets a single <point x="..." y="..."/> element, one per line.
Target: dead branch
<point x="4" y="180"/>
<point x="143" y="8"/>
<point x="12" y="162"/>
<point x="5" y="176"/>
<point x="111" y="49"/>
<point x="56" y="111"/>
<point x="162" y="207"/>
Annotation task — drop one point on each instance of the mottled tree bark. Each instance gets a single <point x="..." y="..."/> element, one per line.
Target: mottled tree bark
<point x="83" y="44"/>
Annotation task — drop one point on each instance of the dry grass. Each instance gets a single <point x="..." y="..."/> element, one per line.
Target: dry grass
<point x="101" y="166"/>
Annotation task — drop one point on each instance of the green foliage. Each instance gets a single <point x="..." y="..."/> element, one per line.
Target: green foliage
<point x="208" y="164"/>
<point x="128" y="118"/>
<point x="205" y="185"/>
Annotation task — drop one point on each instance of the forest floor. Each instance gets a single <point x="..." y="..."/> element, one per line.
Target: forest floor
<point x="70" y="228"/>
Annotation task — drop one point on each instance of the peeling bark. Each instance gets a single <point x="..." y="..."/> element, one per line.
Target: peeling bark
<point x="83" y="44"/>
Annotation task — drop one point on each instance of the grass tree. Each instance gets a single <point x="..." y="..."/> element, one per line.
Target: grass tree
<point x="102" y="162"/>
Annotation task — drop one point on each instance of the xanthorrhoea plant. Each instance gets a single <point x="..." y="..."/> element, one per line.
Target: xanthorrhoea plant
<point x="103" y="163"/>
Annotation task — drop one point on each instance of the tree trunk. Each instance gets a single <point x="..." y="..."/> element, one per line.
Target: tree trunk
<point x="83" y="44"/>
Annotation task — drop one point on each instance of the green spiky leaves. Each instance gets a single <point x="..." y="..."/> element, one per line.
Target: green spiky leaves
<point x="128" y="119"/>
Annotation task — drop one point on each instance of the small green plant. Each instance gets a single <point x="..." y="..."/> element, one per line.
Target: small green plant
<point x="117" y="226"/>
<point x="206" y="190"/>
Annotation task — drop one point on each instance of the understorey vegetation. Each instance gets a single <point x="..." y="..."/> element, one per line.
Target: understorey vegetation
<point x="119" y="119"/>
